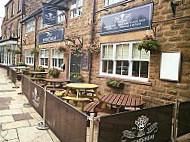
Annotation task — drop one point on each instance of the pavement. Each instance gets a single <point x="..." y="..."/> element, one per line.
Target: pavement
<point x="18" y="121"/>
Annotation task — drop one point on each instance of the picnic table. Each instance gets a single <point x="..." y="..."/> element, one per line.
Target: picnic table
<point x="19" y="69"/>
<point x="120" y="100"/>
<point x="55" y="81"/>
<point x="37" y="74"/>
<point x="81" y="88"/>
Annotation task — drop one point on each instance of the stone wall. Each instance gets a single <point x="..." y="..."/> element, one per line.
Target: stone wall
<point x="172" y="34"/>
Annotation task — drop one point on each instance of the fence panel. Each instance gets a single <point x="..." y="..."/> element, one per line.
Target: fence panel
<point x="66" y="122"/>
<point x="184" y="118"/>
<point x="26" y="86"/>
<point x="13" y="76"/>
<point x="152" y="124"/>
<point x="36" y="97"/>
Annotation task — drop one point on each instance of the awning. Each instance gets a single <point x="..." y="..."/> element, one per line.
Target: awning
<point x="9" y="41"/>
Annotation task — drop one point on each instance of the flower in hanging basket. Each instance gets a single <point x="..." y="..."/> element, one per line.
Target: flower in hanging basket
<point x="16" y="52"/>
<point x="148" y="44"/>
<point x="61" y="49"/>
<point x="115" y="83"/>
<point x="9" y="50"/>
<point x="93" y="48"/>
<point x="34" y="51"/>
<point x="75" y="49"/>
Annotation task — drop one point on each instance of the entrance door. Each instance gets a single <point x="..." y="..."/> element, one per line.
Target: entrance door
<point x="75" y="63"/>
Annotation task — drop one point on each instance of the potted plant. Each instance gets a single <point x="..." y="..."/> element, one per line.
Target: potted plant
<point x="93" y="48"/>
<point x="9" y="50"/>
<point x="40" y="69"/>
<point x="76" y="77"/>
<point x="54" y="72"/>
<point x="21" y="64"/>
<point x="148" y="44"/>
<point x="34" y="51"/>
<point x="115" y="83"/>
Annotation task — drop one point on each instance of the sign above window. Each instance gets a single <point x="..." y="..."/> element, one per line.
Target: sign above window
<point x="51" y="36"/>
<point x="133" y="19"/>
<point x="49" y="16"/>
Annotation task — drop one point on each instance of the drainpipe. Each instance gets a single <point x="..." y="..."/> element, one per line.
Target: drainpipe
<point x="35" y="40"/>
<point x="92" y="38"/>
<point x="21" y="36"/>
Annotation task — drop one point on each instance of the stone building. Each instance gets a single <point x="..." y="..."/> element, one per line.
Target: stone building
<point x="10" y="32"/>
<point x="85" y="22"/>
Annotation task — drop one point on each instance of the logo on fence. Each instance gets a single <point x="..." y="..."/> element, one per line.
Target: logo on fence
<point x="35" y="98"/>
<point x="143" y="131"/>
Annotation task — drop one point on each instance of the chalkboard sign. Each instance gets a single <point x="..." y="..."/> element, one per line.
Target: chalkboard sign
<point x="170" y="66"/>
<point x="84" y="65"/>
<point x="137" y="18"/>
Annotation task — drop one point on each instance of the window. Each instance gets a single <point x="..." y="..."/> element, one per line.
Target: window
<point x="76" y="8"/>
<point x="19" y="5"/>
<point x="13" y="9"/>
<point x="109" y="2"/>
<point x="60" y="16"/>
<point x="44" y="55"/>
<point x="12" y="30"/>
<point x="124" y="60"/>
<point x="29" y="58"/>
<point x="30" y="26"/>
<point x="56" y="58"/>
<point x="7" y="13"/>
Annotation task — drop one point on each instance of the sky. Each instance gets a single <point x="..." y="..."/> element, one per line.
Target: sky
<point x="2" y="11"/>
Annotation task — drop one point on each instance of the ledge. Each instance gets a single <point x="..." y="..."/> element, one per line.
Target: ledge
<point x="132" y="81"/>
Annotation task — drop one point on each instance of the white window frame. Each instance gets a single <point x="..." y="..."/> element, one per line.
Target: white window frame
<point x="110" y="2"/>
<point x="76" y="7"/>
<point x="130" y="60"/>
<point x="44" y="57"/>
<point x="57" y="57"/>
<point x="13" y="9"/>
<point x="30" y="26"/>
<point x="29" y="56"/>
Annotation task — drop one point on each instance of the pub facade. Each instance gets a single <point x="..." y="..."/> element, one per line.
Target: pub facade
<point x="117" y="28"/>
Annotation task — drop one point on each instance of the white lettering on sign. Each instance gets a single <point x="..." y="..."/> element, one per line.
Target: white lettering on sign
<point x="35" y="98"/>
<point x="142" y="132"/>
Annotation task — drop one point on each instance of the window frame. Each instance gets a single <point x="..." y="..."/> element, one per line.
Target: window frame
<point x="44" y="57"/>
<point x="29" y="56"/>
<point x="78" y="6"/>
<point x="130" y="61"/>
<point x="51" y="64"/>
<point x="30" y="26"/>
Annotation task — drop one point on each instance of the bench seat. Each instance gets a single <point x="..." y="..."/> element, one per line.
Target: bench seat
<point x="76" y="99"/>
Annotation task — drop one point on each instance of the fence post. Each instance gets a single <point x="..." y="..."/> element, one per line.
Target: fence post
<point x="42" y="125"/>
<point x="91" y="136"/>
<point x="175" y="120"/>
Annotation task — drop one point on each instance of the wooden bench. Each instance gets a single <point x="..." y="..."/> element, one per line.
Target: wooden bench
<point x="90" y="108"/>
<point x="75" y="99"/>
<point x="55" y="89"/>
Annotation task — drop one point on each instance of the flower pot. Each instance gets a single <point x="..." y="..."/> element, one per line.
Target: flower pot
<point x="120" y="86"/>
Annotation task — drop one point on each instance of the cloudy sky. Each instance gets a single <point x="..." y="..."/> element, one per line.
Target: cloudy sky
<point x="2" y="11"/>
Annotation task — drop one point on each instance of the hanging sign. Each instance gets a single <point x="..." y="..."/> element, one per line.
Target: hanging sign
<point x="51" y="36"/>
<point x="49" y="16"/>
<point x="137" y="18"/>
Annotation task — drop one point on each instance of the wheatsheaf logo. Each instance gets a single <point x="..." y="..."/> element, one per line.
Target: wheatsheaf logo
<point x="49" y="16"/>
<point x="142" y="132"/>
<point x="35" y="98"/>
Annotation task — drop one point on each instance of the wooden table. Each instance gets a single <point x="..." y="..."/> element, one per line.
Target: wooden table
<point x="37" y="74"/>
<point x="79" y="97"/>
<point x="20" y="68"/>
<point x="56" y="80"/>
<point x="120" y="100"/>
<point x="81" y="86"/>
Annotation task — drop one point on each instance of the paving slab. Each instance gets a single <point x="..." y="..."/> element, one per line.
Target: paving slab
<point x="31" y="134"/>
<point x="10" y="112"/>
<point x="12" y="125"/>
<point x="6" y="119"/>
<point x="9" y="135"/>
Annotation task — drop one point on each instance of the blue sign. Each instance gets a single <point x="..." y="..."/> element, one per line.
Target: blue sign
<point x="51" y="36"/>
<point x="49" y="16"/>
<point x="137" y="18"/>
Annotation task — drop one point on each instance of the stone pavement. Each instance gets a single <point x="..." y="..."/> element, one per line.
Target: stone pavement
<point x="18" y="123"/>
